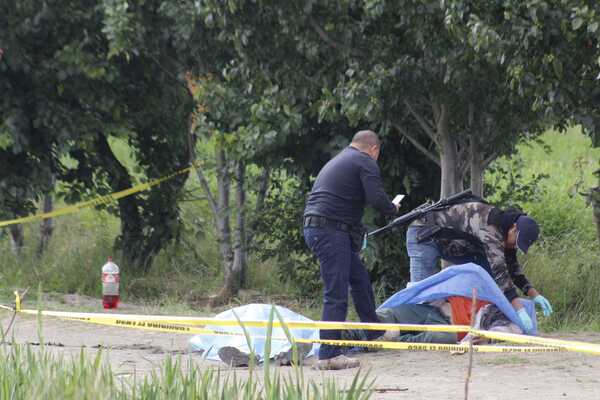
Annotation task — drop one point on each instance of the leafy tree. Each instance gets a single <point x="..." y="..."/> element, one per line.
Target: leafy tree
<point x="398" y="66"/>
<point x="68" y="87"/>
<point x="414" y="73"/>
<point x="550" y="50"/>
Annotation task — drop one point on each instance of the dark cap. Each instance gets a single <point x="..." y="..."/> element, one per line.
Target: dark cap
<point x="528" y="232"/>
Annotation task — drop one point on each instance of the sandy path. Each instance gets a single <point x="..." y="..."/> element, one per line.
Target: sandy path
<point x="413" y="375"/>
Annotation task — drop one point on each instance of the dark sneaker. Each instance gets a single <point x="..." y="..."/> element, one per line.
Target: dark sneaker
<point x="339" y="362"/>
<point x="234" y="357"/>
<point x="285" y="358"/>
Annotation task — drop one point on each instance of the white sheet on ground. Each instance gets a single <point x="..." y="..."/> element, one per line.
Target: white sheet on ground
<point x="211" y="344"/>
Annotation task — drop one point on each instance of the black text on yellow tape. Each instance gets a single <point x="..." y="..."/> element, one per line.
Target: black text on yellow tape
<point x="199" y="321"/>
<point x="177" y="325"/>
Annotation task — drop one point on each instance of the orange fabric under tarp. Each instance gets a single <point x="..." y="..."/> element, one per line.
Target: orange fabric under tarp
<point x="461" y="311"/>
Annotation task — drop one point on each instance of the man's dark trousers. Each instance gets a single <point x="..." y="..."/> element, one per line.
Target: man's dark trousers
<point x="340" y="267"/>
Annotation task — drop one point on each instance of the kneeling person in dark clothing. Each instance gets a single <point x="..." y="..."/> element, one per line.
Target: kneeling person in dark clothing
<point x="333" y="232"/>
<point x="475" y="231"/>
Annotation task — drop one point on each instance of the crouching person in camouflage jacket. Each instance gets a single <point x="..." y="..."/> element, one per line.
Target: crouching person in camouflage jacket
<point x="475" y="231"/>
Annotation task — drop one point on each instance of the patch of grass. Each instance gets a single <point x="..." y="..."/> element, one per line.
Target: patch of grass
<point x="507" y="360"/>
<point x="38" y="374"/>
<point x="570" y="166"/>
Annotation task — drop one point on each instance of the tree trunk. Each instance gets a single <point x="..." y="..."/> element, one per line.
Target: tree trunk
<point x="240" y="259"/>
<point x="596" y="207"/>
<point x="46" y="226"/>
<point x="17" y="239"/>
<point x="451" y="176"/>
<point x="476" y="165"/>
<point x="131" y="240"/>
<point x="261" y="194"/>
<point x="594" y="197"/>
<point x="263" y="186"/>
<point x="231" y="281"/>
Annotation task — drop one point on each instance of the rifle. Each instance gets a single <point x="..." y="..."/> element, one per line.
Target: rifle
<point x="422" y="210"/>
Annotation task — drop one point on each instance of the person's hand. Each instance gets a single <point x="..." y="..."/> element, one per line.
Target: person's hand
<point x="516" y="303"/>
<point x="526" y="320"/>
<point x="544" y="304"/>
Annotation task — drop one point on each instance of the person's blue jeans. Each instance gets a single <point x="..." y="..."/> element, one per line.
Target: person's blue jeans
<point x="340" y="267"/>
<point x="425" y="256"/>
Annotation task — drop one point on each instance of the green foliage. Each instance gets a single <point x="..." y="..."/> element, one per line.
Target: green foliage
<point x="66" y="92"/>
<point x="571" y="164"/>
<point x="564" y="269"/>
<point x="550" y="52"/>
<point x="506" y="185"/>
<point x="279" y="235"/>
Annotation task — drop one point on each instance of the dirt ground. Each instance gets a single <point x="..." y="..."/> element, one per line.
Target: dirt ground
<point x="398" y="374"/>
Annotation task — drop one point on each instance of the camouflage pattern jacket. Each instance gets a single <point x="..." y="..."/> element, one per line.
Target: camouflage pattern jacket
<point x="470" y="234"/>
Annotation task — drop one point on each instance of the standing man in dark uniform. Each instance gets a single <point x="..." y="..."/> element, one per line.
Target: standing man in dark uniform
<point x="332" y="217"/>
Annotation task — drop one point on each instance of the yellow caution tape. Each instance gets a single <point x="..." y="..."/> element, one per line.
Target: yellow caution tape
<point x="580" y="347"/>
<point x="121" y="319"/>
<point x="433" y="346"/>
<point x="192" y="325"/>
<point x="106" y="199"/>
<point x="162" y="326"/>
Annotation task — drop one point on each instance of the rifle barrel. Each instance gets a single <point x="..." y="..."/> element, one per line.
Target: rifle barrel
<point x="422" y="209"/>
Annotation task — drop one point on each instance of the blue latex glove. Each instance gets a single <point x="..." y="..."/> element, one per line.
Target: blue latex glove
<point x="526" y="320"/>
<point x="544" y="304"/>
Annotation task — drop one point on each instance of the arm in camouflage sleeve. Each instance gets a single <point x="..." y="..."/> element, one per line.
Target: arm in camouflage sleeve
<point x="516" y="272"/>
<point x="493" y="244"/>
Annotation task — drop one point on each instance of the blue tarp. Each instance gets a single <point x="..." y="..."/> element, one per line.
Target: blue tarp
<point x="457" y="280"/>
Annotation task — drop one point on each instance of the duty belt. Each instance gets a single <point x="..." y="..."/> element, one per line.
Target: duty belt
<point x="317" y="221"/>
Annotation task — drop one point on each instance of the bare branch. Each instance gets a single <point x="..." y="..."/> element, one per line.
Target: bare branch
<point x="487" y="161"/>
<point x="206" y="187"/>
<point x="201" y="178"/>
<point x="433" y="157"/>
<point x="435" y="107"/>
<point x="427" y="126"/>
<point x="463" y="162"/>
<point x="327" y="39"/>
<point x="263" y="187"/>
<point x="462" y="155"/>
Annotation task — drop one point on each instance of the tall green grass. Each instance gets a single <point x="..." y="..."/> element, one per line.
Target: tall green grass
<point x="26" y="374"/>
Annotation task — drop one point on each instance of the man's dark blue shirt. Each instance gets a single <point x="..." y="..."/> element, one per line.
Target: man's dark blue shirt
<point x="345" y="185"/>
